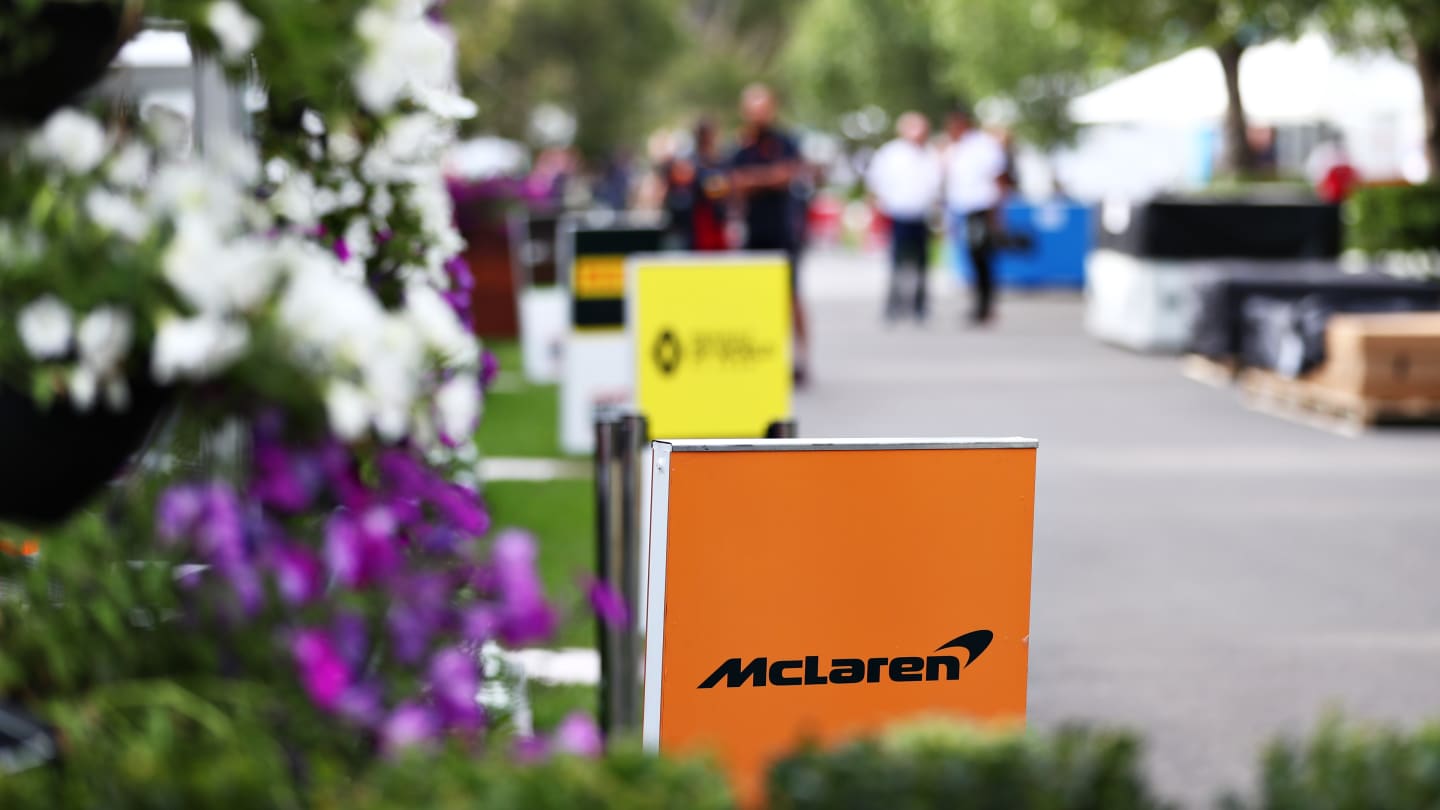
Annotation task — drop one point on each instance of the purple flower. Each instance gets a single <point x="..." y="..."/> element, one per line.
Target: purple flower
<point x="361" y="551"/>
<point x="458" y="268"/>
<point x="350" y="638"/>
<point x="322" y="671"/>
<point x="409" y="725"/>
<point x="338" y="467"/>
<point x="403" y="474"/>
<point x="362" y="705"/>
<point x="462" y="508"/>
<point x="525" y="617"/>
<point x="299" y="574"/>
<point x="489" y="368"/>
<point x="221" y="529"/>
<point x="342" y="250"/>
<point x="439" y="539"/>
<point x="345" y="549"/>
<point x="479" y="623"/>
<point x="454" y="681"/>
<point x="281" y="479"/>
<point x="419" y="610"/>
<point x="530" y="750"/>
<point x="608" y="605"/>
<point x="578" y="735"/>
<point x="244" y="582"/>
<point x="178" y="511"/>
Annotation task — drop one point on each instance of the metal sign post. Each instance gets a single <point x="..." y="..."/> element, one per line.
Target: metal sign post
<point x="620" y="439"/>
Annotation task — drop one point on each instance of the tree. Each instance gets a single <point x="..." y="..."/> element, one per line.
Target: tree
<point x="927" y="54"/>
<point x="594" y="59"/>
<point x="1410" y="27"/>
<point x="1228" y="27"/>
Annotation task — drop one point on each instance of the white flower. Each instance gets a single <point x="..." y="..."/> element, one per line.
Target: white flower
<point x="457" y="404"/>
<point x="117" y="213"/>
<point x="296" y="200"/>
<point x="196" y="348"/>
<point x="360" y="238"/>
<point x="237" y="158"/>
<point x="416" y="137"/>
<point x="345" y="147"/>
<point x="392" y="370"/>
<point x="446" y="104"/>
<point x="216" y="276"/>
<point x="437" y="211"/>
<point x="329" y="318"/>
<point x="71" y="139"/>
<point x="83" y="386"/>
<point x="199" y="191"/>
<point x="435" y="320"/>
<point x="104" y="338"/>
<point x="234" y="27"/>
<point x="382" y="204"/>
<point x="45" y="326"/>
<point x="348" y="409"/>
<point x="351" y="194"/>
<point x="407" y="53"/>
<point x="131" y="167"/>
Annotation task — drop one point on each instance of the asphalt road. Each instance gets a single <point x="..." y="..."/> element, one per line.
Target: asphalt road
<point x="1204" y="574"/>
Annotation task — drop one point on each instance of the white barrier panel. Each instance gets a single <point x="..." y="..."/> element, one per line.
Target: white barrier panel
<point x="544" y="320"/>
<point x="596" y="370"/>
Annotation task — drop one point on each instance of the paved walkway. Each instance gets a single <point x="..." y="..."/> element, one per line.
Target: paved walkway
<point x="1207" y="575"/>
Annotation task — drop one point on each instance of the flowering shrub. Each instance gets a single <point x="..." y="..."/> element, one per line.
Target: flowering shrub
<point x="300" y="294"/>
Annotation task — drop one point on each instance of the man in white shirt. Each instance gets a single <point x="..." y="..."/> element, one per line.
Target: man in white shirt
<point x="904" y="178"/>
<point x="975" y="171"/>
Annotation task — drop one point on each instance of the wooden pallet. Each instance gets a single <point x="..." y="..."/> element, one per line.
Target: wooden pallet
<point x="1209" y="371"/>
<point x="1308" y="400"/>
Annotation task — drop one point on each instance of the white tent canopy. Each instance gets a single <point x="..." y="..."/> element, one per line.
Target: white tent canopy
<point x="1282" y="82"/>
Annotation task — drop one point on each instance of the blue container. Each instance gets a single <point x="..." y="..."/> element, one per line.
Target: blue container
<point x="1060" y="233"/>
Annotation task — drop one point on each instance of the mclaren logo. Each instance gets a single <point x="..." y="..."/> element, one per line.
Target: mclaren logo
<point x="806" y="671"/>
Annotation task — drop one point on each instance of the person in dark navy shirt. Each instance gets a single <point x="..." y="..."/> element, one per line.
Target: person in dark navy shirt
<point x="764" y="171"/>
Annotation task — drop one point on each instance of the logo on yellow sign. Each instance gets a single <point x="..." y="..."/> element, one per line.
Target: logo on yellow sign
<point x="712" y="344"/>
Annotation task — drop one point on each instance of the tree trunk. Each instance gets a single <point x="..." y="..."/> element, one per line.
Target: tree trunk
<point x="1427" y="62"/>
<point x="1238" y="158"/>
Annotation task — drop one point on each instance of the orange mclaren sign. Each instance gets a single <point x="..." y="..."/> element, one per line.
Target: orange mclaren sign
<point x="813" y="591"/>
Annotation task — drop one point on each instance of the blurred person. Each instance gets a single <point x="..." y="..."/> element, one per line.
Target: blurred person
<point x="975" y="187"/>
<point x="696" y="188"/>
<point x="904" y="179"/>
<point x="612" y="188"/>
<point x="763" y="170"/>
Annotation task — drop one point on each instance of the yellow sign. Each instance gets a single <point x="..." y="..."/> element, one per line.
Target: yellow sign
<point x="821" y="590"/>
<point x="712" y="343"/>
<point x="600" y="277"/>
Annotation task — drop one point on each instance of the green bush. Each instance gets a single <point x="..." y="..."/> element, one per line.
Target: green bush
<point x="625" y="779"/>
<point x="942" y="766"/>
<point x="1394" y="218"/>
<point x="1348" y="768"/>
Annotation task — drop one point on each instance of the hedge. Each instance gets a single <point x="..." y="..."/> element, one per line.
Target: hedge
<point x="1383" y="219"/>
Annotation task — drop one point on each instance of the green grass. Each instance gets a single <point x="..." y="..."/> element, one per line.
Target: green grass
<point x="561" y="514"/>
<point x="550" y="703"/>
<point x="521" y="419"/>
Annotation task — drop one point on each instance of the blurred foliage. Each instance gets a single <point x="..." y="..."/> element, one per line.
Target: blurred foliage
<point x="625" y="779"/>
<point x="927" y="55"/>
<point x="1350" y="768"/>
<point x="1391" y="218"/>
<point x="143" y="745"/>
<point x="936" y="765"/>
<point x="587" y="57"/>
